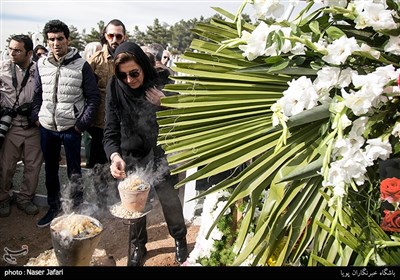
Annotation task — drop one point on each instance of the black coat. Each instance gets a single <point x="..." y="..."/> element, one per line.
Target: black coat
<point x="131" y="127"/>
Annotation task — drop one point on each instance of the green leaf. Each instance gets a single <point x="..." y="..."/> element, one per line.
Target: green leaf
<point x="315" y="114"/>
<point x="314" y="26"/>
<point x="335" y="33"/>
<point x="279" y="66"/>
<point x="302" y="172"/>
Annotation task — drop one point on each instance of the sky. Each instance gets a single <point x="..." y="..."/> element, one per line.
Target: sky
<point x="23" y="16"/>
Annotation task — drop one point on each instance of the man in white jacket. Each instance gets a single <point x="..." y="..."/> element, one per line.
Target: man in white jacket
<point x="65" y="103"/>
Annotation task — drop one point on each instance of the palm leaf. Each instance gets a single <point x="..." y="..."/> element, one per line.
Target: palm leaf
<point x="222" y="119"/>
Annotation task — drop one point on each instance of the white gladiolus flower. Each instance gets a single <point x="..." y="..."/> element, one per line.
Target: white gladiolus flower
<point x="332" y="3"/>
<point x="298" y="49"/>
<point x="357" y="102"/>
<point x="387" y="73"/>
<point x="300" y="95"/>
<point x="393" y="45"/>
<point x="273" y="49"/>
<point x="355" y="167"/>
<point x="336" y="176"/>
<point x="340" y="50"/>
<point x="331" y="77"/>
<point x="321" y="45"/>
<point x="345" y="148"/>
<point x="365" y="48"/>
<point x="212" y="206"/>
<point x="267" y="8"/>
<point x="256" y="41"/>
<point x="358" y="127"/>
<point x="257" y="45"/>
<point x="377" y="148"/>
<point x="376" y="16"/>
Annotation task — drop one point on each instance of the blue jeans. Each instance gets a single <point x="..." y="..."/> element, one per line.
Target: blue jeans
<point x="50" y="143"/>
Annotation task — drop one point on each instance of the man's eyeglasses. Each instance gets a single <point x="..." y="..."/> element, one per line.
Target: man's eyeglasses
<point x="17" y="51"/>
<point x="166" y="57"/>
<point x="111" y="36"/>
<point x="133" y="74"/>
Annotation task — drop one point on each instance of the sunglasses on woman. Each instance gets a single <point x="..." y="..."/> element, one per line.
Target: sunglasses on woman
<point x="133" y="74"/>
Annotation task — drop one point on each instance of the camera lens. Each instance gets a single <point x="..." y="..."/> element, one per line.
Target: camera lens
<point x="5" y="123"/>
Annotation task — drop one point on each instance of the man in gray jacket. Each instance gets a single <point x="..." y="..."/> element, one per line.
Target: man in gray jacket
<point x="66" y="101"/>
<point x="19" y="139"/>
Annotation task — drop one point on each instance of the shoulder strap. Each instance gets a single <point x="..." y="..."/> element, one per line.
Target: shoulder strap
<point x="15" y="82"/>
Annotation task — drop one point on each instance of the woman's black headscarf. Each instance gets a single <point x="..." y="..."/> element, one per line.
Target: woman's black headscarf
<point x="151" y="77"/>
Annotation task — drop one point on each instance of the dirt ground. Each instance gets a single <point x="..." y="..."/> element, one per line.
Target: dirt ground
<point x="20" y="229"/>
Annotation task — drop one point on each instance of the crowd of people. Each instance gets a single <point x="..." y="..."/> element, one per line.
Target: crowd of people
<point x="52" y="97"/>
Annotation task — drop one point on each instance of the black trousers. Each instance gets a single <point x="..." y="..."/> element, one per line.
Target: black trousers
<point x="97" y="154"/>
<point x="172" y="210"/>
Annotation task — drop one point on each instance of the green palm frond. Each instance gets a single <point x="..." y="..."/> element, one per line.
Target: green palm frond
<point x="222" y="120"/>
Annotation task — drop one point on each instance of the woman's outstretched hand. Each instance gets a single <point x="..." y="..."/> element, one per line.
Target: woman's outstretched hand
<point x="117" y="167"/>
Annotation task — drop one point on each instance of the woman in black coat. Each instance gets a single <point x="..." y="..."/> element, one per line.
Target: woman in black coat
<point x="130" y="141"/>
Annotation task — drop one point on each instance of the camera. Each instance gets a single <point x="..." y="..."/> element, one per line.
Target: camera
<point x="5" y="123"/>
<point x="25" y="110"/>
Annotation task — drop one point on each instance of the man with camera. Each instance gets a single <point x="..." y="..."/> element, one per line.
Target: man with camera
<point x="19" y="139"/>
